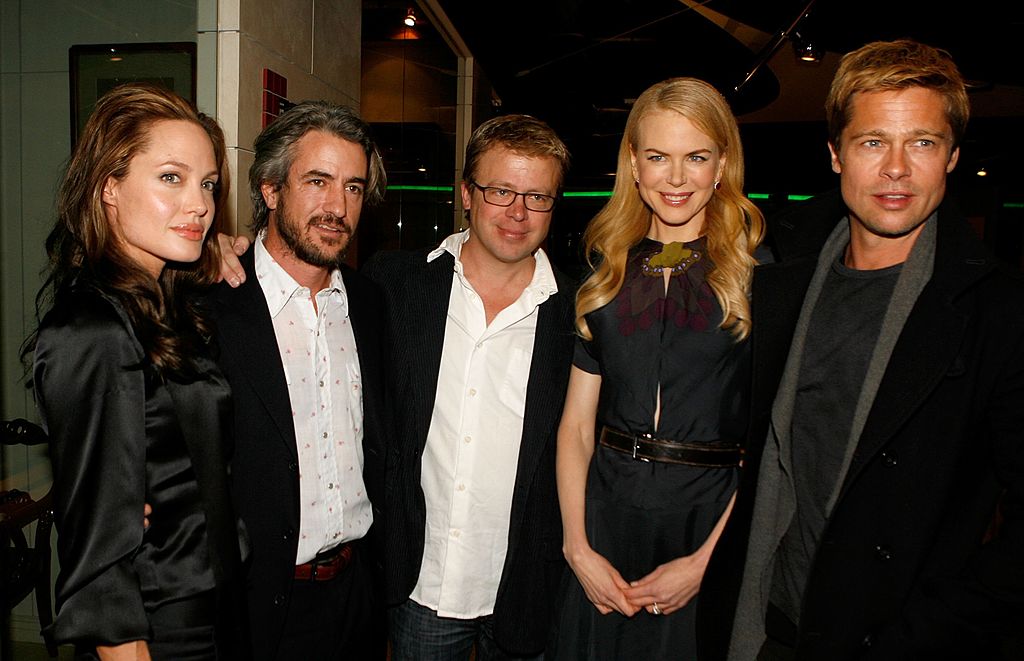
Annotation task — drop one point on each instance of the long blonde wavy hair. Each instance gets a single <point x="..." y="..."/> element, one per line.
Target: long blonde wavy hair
<point x="733" y="226"/>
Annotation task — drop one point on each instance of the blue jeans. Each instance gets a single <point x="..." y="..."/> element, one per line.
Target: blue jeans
<point x="419" y="634"/>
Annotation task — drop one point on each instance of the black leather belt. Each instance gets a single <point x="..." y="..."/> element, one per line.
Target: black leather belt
<point x="643" y="447"/>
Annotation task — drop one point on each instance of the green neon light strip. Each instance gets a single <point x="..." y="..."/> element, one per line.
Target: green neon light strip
<point x="608" y="193"/>
<point x="587" y="193"/>
<point x="436" y="189"/>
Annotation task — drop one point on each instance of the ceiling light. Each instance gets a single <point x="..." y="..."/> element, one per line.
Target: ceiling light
<point x="982" y="172"/>
<point x="410" y="18"/>
<point x="805" y="49"/>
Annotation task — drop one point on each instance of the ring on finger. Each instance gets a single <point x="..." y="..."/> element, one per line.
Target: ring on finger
<point x="656" y="609"/>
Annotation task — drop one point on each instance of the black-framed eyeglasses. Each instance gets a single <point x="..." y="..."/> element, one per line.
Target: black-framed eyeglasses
<point x="505" y="197"/>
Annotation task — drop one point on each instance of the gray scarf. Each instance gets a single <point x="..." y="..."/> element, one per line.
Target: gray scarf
<point x="775" y="502"/>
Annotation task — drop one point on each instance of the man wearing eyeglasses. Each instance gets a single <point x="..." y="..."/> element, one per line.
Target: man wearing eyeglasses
<point x="481" y="344"/>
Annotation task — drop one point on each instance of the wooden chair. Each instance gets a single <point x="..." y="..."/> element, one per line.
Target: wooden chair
<point x="24" y="567"/>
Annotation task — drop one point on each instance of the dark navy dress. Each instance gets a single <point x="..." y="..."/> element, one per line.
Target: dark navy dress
<point x="642" y="514"/>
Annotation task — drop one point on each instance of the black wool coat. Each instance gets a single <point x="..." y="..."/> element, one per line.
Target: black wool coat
<point x="915" y="561"/>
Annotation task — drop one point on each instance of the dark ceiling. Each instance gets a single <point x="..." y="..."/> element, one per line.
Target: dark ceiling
<point x="578" y="64"/>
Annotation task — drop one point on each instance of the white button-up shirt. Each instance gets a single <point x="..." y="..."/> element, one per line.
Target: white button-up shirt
<point x="472" y="450"/>
<point x="321" y="367"/>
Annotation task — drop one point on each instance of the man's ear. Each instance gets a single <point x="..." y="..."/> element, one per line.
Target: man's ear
<point x="467" y="196"/>
<point x="270" y="194"/>
<point x="837" y="165"/>
<point x="953" y="158"/>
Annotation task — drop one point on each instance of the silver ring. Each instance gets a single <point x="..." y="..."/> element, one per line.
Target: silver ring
<point x="656" y="609"/>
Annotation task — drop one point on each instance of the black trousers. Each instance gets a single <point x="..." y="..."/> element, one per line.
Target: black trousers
<point x="182" y="631"/>
<point x="342" y="618"/>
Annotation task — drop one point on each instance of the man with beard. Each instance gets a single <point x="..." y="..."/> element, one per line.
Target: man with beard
<point x="300" y="343"/>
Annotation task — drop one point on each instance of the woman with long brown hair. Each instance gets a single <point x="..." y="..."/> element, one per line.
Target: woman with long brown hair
<point x="648" y="448"/>
<point x="136" y="411"/>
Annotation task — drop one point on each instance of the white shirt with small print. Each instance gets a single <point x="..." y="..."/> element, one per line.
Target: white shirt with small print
<point x="321" y="367"/>
<point x="472" y="449"/>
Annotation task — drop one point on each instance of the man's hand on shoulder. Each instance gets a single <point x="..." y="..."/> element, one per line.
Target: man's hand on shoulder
<point x="231" y="248"/>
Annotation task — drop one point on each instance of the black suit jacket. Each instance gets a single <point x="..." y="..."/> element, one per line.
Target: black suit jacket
<point x="907" y="567"/>
<point x="417" y="299"/>
<point x="265" y="478"/>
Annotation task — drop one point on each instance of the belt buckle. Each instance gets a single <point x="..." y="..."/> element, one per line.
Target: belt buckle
<point x="636" y="446"/>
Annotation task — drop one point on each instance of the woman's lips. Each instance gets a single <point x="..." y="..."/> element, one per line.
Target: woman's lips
<point x="190" y="231"/>
<point x="675" y="199"/>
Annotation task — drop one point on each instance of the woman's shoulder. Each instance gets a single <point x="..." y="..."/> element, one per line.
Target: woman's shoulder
<point x="84" y="317"/>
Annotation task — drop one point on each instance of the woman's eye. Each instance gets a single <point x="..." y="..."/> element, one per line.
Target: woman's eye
<point x="170" y="177"/>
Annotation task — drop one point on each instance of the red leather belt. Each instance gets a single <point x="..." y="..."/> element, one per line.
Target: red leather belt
<point x="326" y="566"/>
<point x="643" y="447"/>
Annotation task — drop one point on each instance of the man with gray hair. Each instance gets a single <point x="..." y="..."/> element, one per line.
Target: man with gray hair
<point x="300" y="342"/>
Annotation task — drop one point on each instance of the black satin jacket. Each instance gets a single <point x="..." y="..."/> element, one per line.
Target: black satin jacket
<point x="121" y="437"/>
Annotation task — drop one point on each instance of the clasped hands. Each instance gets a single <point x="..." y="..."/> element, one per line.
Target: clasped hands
<point x="670" y="586"/>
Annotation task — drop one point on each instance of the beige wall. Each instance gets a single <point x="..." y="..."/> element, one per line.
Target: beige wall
<point x="314" y="44"/>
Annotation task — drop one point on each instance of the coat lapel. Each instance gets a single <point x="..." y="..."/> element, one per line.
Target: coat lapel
<point x="929" y="344"/>
<point x="545" y="391"/>
<point x="431" y="294"/>
<point x="368" y="340"/>
<point x="244" y="318"/>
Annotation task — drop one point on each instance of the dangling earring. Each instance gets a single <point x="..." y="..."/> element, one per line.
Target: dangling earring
<point x="718" y="184"/>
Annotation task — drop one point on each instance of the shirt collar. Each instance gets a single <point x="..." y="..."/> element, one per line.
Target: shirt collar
<point x="453" y="245"/>
<point x="278" y="286"/>
<point x="541" y="286"/>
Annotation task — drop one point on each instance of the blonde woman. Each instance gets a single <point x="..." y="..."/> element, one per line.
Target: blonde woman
<point x="648" y="447"/>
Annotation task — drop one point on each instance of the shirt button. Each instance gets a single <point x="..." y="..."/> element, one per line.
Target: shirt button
<point x="279" y="600"/>
<point x="472" y="392"/>
<point x="325" y="434"/>
<point x="461" y="487"/>
<point x="330" y="485"/>
<point x="467" y="439"/>
<point x="455" y="533"/>
<point x="321" y="383"/>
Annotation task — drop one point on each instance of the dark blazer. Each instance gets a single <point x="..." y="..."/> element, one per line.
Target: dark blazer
<point x="907" y="567"/>
<point x="417" y="299"/>
<point x="264" y="470"/>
